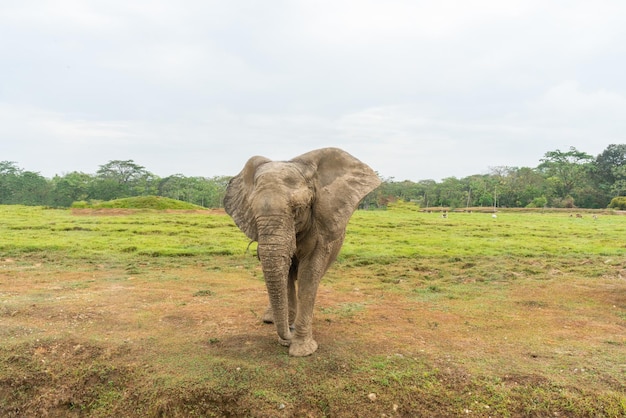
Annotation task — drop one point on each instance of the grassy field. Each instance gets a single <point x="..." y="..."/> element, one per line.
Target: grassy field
<point x="146" y="313"/>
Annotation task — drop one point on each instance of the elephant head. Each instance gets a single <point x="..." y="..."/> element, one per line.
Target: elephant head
<point x="297" y="211"/>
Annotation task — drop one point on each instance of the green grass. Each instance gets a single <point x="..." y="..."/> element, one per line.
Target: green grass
<point x="47" y="231"/>
<point x="384" y="235"/>
<point x="140" y="202"/>
<point x="373" y="236"/>
<point x="158" y="314"/>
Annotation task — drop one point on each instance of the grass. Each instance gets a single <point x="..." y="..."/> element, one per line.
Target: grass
<point x="158" y="314"/>
<point x="140" y="202"/>
<point x="40" y="230"/>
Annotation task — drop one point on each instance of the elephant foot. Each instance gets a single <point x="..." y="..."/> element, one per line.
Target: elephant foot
<point x="268" y="316"/>
<point x="285" y="343"/>
<point x="302" y="348"/>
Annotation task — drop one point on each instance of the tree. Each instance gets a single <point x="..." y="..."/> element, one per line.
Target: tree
<point x="566" y="171"/>
<point x="32" y="189"/>
<point x="610" y="162"/>
<point x="453" y="193"/>
<point x="124" y="172"/>
<point x="18" y="187"/>
<point x="70" y="188"/>
<point x="117" y="179"/>
<point x="173" y="187"/>
<point x="207" y="192"/>
<point x="481" y="189"/>
<point x="380" y="196"/>
<point x="9" y="174"/>
<point x="610" y="171"/>
<point x="526" y="186"/>
<point x="428" y="193"/>
<point x="215" y="191"/>
<point x="501" y="186"/>
<point x="618" y="188"/>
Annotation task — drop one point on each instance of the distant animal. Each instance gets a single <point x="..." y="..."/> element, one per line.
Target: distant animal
<point x="578" y="215"/>
<point x="493" y="215"/>
<point x="297" y="211"/>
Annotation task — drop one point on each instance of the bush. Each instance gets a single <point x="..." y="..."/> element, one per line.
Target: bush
<point x="566" y="202"/>
<point x="618" y="203"/>
<point x="81" y="204"/>
<point x="538" y="202"/>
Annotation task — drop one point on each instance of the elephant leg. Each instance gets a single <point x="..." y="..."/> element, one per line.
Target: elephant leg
<point x="291" y="292"/>
<point x="310" y="273"/>
<point x="268" y="316"/>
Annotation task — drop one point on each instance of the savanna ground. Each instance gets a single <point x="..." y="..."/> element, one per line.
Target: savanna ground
<point x="145" y="313"/>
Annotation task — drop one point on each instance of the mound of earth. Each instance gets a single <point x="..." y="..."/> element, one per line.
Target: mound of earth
<point x="140" y="202"/>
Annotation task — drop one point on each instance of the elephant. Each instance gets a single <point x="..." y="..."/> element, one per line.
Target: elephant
<point x="297" y="211"/>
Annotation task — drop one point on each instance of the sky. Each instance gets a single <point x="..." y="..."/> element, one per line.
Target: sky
<point x="415" y="89"/>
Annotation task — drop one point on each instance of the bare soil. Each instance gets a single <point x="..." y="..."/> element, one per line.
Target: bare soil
<point x="184" y="338"/>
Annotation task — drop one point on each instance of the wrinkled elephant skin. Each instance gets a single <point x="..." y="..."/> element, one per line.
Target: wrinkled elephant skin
<point x="297" y="211"/>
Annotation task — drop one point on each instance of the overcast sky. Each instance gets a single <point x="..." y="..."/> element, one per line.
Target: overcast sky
<point x="416" y="89"/>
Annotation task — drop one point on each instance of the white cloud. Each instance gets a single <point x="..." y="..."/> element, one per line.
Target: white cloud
<point x="59" y="16"/>
<point x="567" y="115"/>
<point x="25" y="123"/>
<point x="566" y="102"/>
<point x="417" y="89"/>
<point x="366" y="23"/>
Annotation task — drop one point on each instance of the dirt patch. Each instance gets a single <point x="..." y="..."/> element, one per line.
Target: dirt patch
<point x="177" y="338"/>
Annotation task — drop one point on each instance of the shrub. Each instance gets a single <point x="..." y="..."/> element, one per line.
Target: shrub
<point x="566" y="202"/>
<point x="538" y="202"/>
<point x="618" y="203"/>
<point x="81" y="204"/>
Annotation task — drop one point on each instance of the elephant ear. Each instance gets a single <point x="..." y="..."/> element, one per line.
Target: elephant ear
<point x="236" y="199"/>
<point x="341" y="181"/>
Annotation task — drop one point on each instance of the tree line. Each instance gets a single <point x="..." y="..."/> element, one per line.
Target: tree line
<point x="114" y="180"/>
<point x="563" y="179"/>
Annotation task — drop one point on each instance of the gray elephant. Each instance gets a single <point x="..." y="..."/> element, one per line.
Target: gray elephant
<point x="297" y="211"/>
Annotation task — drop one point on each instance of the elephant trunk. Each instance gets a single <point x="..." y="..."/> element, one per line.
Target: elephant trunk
<point x="276" y="248"/>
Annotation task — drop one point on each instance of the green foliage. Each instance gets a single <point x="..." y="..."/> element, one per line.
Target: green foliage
<point x="568" y="174"/>
<point x="610" y="164"/>
<point x="566" y="179"/>
<point x="22" y="187"/>
<point x="538" y="202"/>
<point x="82" y="204"/>
<point x="199" y="190"/>
<point x="618" y="203"/>
<point x="118" y="179"/>
<point x="70" y="188"/>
